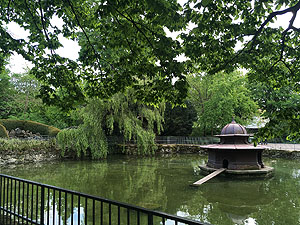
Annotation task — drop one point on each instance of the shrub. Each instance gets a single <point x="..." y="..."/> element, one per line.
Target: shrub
<point x="3" y="132"/>
<point x="32" y="126"/>
<point x="26" y="145"/>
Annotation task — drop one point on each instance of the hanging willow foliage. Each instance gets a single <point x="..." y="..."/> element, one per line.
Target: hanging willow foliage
<point x="134" y="120"/>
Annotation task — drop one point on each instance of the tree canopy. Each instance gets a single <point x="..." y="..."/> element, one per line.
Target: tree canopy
<point x="179" y="120"/>
<point x="124" y="44"/>
<point x="222" y="25"/>
<point x="281" y="106"/>
<point x="18" y="99"/>
<point x="269" y="53"/>
<point x="219" y="98"/>
<point x="6" y="95"/>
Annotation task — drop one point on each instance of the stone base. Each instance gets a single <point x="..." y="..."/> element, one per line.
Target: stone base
<point x="264" y="172"/>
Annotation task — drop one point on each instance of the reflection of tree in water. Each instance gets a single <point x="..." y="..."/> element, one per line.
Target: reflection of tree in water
<point x="234" y="201"/>
<point x="136" y="182"/>
<point x="178" y="172"/>
<point x="154" y="183"/>
<point x="227" y="201"/>
<point x="70" y="175"/>
<point x="285" y="191"/>
<point x="163" y="183"/>
<point x="129" y="180"/>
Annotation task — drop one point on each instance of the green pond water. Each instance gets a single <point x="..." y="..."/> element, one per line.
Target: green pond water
<point x="162" y="183"/>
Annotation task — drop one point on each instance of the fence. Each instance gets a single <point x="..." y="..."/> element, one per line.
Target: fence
<point x="186" y="140"/>
<point x="28" y="202"/>
<point x="283" y="146"/>
<point x="112" y="140"/>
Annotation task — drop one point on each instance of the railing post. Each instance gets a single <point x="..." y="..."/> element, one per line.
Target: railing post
<point x="42" y="204"/>
<point x="150" y="218"/>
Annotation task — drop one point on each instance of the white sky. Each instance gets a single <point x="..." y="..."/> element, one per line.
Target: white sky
<point x="18" y="64"/>
<point x="71" y="48"/>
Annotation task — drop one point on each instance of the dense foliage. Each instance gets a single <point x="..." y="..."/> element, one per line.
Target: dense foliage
<point x="279" y="104"/>
<point x="230" y="34"/>
<point x="6" y="95"/>
<point x="219" y="98"/>
<point x="124" y="44"/>
<point x="16" y="145"/>
<point x="26" y="89"/>
<point x="222" y="25"/>
<point x="18" y="99"/>
<point x="133" y="120"/>
<point x="179" y="120"/>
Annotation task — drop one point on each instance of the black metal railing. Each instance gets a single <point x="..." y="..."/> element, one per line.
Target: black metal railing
<point x="27" y="202"/>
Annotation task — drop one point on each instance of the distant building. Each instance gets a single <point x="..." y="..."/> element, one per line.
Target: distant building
<point x="257" y="122"/>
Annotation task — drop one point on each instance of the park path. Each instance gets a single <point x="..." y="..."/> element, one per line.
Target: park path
<point x="281" y="146"/>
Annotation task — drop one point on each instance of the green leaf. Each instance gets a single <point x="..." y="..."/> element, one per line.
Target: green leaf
<point x="205" y="2"/>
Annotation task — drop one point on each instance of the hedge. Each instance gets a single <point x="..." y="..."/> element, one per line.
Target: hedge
<point x="3" y="132"/>
<point x="32" y="126"/>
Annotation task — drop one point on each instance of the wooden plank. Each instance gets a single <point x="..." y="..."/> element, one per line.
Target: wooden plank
<point x="208" y="177"/>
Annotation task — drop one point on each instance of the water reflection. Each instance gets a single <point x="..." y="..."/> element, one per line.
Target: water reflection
<point x="237" y="199"/>
<point x="162" y="183"/>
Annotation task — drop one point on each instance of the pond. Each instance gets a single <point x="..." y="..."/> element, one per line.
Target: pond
<point x="162" y="183"/>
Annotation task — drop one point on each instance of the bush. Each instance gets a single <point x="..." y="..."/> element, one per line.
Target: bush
<point x="3" y="132"/>
<point x="32" y="126"/>
<point x="26" y="145"/>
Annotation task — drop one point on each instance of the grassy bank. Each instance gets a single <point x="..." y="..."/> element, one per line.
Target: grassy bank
<point x="27" y="145"/>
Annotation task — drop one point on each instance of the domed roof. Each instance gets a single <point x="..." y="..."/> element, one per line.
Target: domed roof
<point x="233" y="128"/>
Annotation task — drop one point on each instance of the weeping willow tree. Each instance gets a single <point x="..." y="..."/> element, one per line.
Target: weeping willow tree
<point x="133" y="120"/>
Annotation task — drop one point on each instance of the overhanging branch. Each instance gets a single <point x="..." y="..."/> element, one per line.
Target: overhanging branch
<point x="45" y="30"/>
<point x="131" y="20"/>
<point x="294" y="9"/>
<point x="88" y="39"/>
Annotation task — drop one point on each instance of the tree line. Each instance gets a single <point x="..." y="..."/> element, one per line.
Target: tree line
<point x="88" y="125"/>
<point x="125" y="48"/>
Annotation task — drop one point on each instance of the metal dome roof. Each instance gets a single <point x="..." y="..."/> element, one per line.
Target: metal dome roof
<point x="233" y="128"/>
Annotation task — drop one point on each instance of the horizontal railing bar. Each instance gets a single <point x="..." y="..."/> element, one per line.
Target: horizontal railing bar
<point x="113" y="202"/>
<point x="18" y="215"/>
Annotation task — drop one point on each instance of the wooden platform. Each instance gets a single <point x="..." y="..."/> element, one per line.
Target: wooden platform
<point x="208" y="177"/>
<point x="265" y="172"/>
